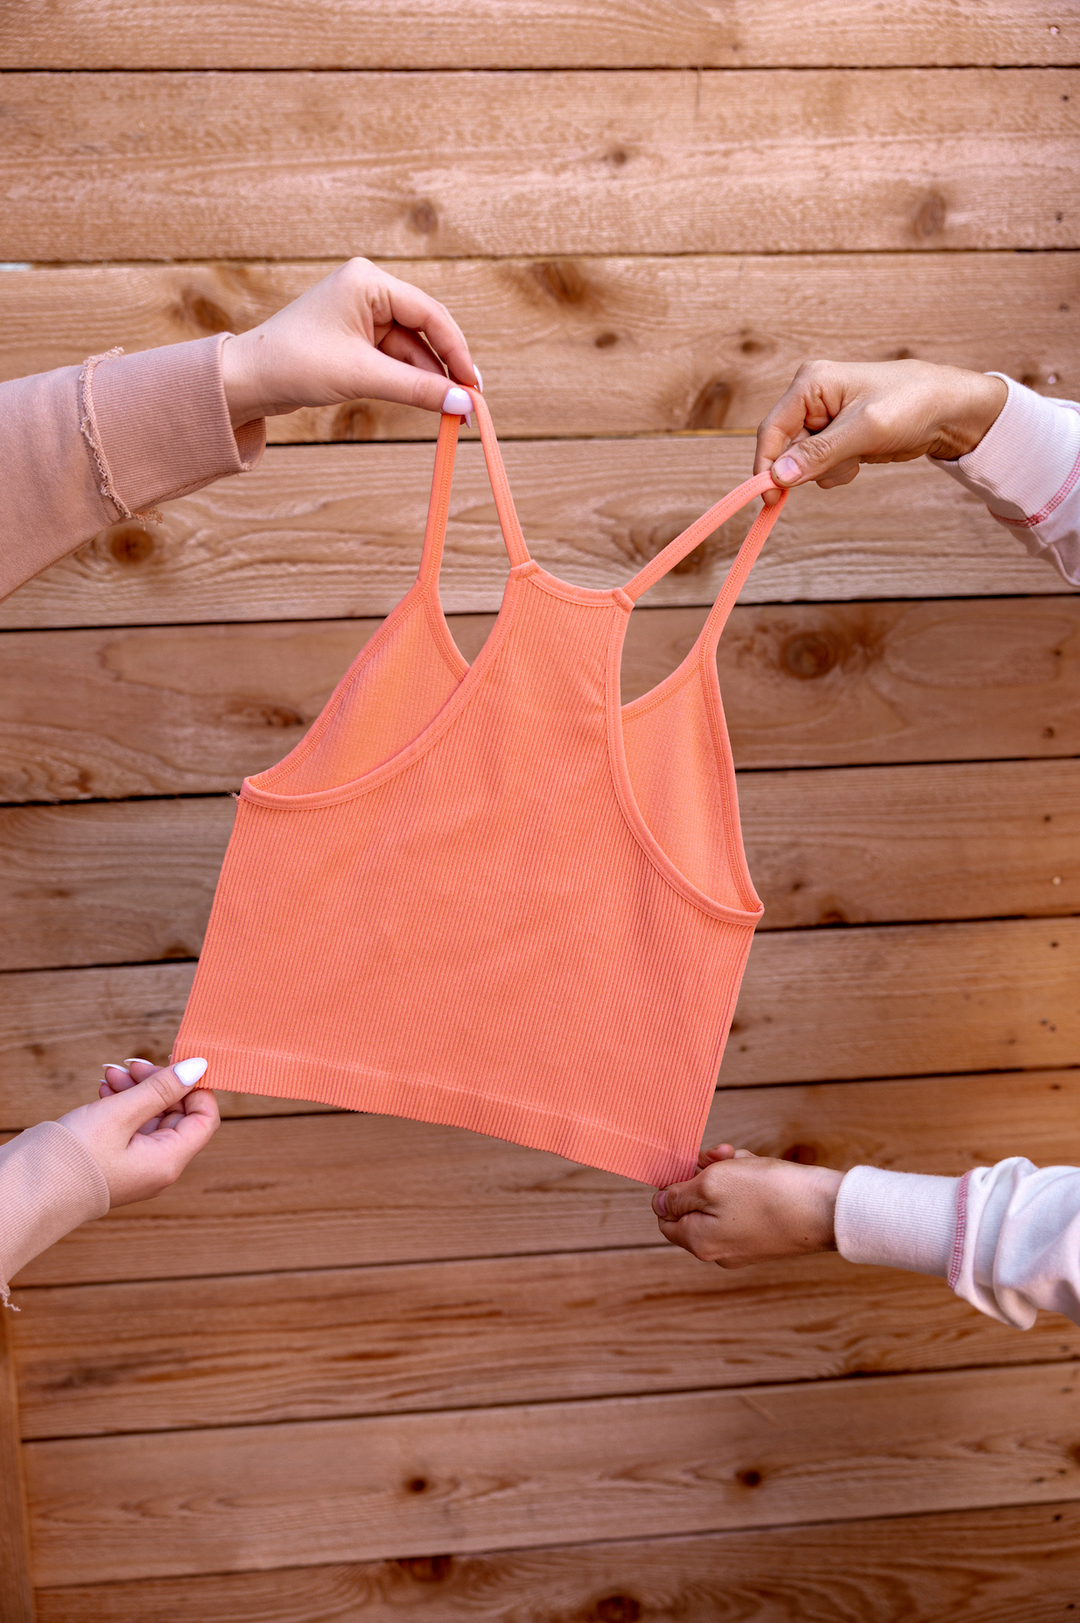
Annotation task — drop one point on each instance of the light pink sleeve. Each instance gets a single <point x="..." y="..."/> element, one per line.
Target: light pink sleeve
<point x="1027" y="471"/>
<point x="1006" y="1237"/>
<point x="49" y="1184"/>
<point x="147" y="428"/>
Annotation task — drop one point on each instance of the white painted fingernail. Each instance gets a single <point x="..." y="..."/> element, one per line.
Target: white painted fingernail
<point x="137" y="1059"/>
<point x="479" y="379"/>
<point x="456" y="402"/>
<point x="114" y="1065"/>
<point x="190" y="1070"/>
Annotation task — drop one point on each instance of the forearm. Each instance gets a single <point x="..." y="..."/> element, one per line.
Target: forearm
<point x="49" y="1184"/>
<point x="152" y="426"/>
<point x="1026" y="468"/>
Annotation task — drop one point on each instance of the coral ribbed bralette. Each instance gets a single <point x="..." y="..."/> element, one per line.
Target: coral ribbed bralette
<point x="494" y="896"/>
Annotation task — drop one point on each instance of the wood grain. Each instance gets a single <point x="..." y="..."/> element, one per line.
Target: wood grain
<point x="133" y="881"/>
<point x="252" y="165"/>
<point x="358" y="1190"/>
<point x="525" y="34"/>
<point x="16" y="1589"/>
<point x="599" y="345"/>
<point x="427" y="1484"/>
<point x="897" y="1000"/>
<point x="329" y="532"/>
<point x="980" y="1566"/>
<point x="261" y="1349"/>
<point x="100" y="715"/>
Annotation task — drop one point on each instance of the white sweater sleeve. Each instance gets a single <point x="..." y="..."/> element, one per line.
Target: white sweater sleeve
<point x="1006" y="1237"/>
<point x="1027" y="471"/>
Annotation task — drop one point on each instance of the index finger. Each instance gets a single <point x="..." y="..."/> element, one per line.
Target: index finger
<point x="418" y="310"/>
<point x="784" y="424"/>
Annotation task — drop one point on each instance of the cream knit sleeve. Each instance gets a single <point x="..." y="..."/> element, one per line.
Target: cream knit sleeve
<point x="1027" y="471"/>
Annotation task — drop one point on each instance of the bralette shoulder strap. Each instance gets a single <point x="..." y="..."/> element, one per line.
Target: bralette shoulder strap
<point x="442" y="479"/>
<point x="745" y="558"/>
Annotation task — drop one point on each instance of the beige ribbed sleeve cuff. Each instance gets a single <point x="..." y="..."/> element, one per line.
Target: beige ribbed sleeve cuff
<point x="49" y="1184"/>
<point x="164" y="423"/>
<point x="897" y="1219"/>
<point x="149" y="427"/>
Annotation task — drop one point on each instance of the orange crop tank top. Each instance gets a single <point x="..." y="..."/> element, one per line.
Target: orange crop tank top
<point x="493" y="895"/>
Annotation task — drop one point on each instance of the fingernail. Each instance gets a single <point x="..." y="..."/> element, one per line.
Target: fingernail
<point x="479" y="379"/>
<point x="114" y="1065"/>
<point x="660" y="1202"/>
<point x="786" y="467"/>
<point x="189" y="1071"/>
<point x="456" y="403"/>
<point x="137" y="1059"/>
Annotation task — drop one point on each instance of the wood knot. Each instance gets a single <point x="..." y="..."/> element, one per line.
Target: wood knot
<point x="693" y="561"/>
<point x="711" y="406"/>
<point x="130" y="543"/>
<point x="417" y="1484"/>
<point x="749" y="1479"/>
<point x="427" y="1569"/>
<point x="805" y="1155"/>
<point x="423" y="218"/>
<point x="617" y="157"/>
<point x="561" y="280"/>
<point x="930" y="216"/>
<point x="355" y="421"/>
<point x="617" y="1609"/>
<point x="604" y="340"/>
<point x="206" y="315"/>
<point x="275" y="715"/>
<point x="751" y="346"/>
<point x="808" y="655"/>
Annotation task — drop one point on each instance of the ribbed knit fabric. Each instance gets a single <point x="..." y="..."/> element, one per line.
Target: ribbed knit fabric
<point x="496" y="897"/>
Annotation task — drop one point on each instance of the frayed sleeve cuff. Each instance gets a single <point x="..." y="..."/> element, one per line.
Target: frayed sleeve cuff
<point x="897" y="1219"/>
<point x="163" y="423"/>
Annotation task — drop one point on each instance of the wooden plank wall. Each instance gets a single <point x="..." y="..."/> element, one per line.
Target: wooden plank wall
<point x="357" y="1369"/>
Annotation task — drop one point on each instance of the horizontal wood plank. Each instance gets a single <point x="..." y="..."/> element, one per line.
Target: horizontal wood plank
<point x="421" y="1485"/>
<point x="335" y="532"/>
<point x="193" y="165"/>
<point x="260" y="1349"/>
<point x="525" y="34"/>
<point x="314" y="1193"/>
<point x="897" y="1000"/>
<point x="981" y="1566"/>
<point x="133" y="881"/>
<point x="100" y="715"/>
<point x="599" y="345"/>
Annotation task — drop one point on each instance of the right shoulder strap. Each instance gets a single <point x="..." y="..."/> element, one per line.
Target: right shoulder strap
<point x="442" y="479"/>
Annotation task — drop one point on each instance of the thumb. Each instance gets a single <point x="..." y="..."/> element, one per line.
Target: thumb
<point x="680" y="1198"/>
<point x="388" y="379"/>
<point x="157" y="1093"/>
<point x="818" y="454"/>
